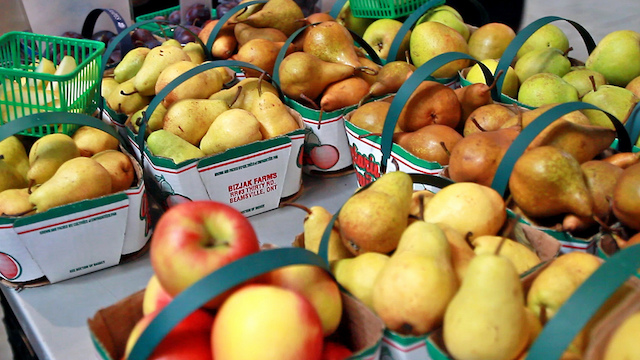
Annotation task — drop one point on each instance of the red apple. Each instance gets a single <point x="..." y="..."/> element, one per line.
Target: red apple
<point x="155" y="297"/>
<point x="335" y="351"/>
<point x="267" y="322"/>
<point x="193" y="239"/>
<point x="317" y="286"/>
<point x="189" y="340"/>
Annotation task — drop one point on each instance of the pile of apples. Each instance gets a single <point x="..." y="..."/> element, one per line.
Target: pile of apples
<point x="60" y="169"/>
<point x="430" y="263"/>
<point x="35" y="93"/>
<point x="289" y="313"/>
<point x="199" y="117"/>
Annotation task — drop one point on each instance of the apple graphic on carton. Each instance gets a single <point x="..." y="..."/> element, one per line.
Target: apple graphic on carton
<point x="195" y="238"/>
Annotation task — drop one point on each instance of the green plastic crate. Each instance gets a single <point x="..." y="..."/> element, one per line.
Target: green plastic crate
<point x="157" y="29"/>
<point x="24" y="91"/>
<point x="384" y="9"/>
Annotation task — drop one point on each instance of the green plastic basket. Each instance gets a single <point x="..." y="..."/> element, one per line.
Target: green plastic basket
<point x="157" y="29"/>
<point x="381" y="9"/>
<point x="24" y="91"/>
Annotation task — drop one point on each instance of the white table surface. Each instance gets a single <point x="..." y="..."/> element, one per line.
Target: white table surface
<point x="54" y="317"/>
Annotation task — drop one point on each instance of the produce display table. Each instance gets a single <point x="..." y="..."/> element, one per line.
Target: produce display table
<point x="54" y="317"/>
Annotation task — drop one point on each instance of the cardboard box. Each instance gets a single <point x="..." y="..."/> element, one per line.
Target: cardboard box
<point x="77" y="238"/>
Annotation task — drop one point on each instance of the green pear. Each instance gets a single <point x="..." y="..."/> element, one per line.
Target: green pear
<point x="547" y="60"/>
<point x="615" y="57"/>
<point x="10" y="178"/>
<point x="273" y="115"/>
<point x="373" y="219"/>
<point x="548" y="35"/>
<point x="331" y="42"/>
<point x="509" y="86"/>
<point x="284" y="15"/>
<point x="155" y="121"/>
<point x="15" y="154"/>
<point x="125" y="99"/>
<point x="195" y="52"/>
<point x="130" y="64"/>
<point x="15" y="202"/>
<point x="486" y="319"/>
<point x="381" y="33"/>
<point x="490" y="40"/>
<point x="232" y="128"/>
<point x="415" y="286"/>
<point x="547" y="181"/>
<point x="581" y="79"/>
<point x="156" y="60"/>
<point x="616" y="100"/>
<point x="77" y="179"/>
<point x="430" y="39"/>
<point x="446" y="17"/>
<point x="358" y="274"/>
<point x="166" y="144"/>
<point x="190" y="118"/>
<point x="546" y="88"/>
<point x="356" y="24"/>
<point x="47" y="154"/>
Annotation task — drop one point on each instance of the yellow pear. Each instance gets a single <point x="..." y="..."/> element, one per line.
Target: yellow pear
<point x="47" y="154"/>
<point x="190" y="118"/>
<point x="555" y="283"/>
<point x="154" y="122"/>
<point x="199" y="86"/>
<point x="128" y="67"/>
<point x="232" y="128"/>
<point x="195" y="52"/>
<point x="120" y="168"/>
<point x="10" y="178"/>
<point x="472" y="209"/>
<point x="91" y="141"/>
<point x="15" y="202"/>
<point x="522" y="257"/>
<point x="419" y="200"/>
<point x="624" y="341"/>
<point x="154" y="62"/>
<point x="486" y="319"/>
<point x="461" y="251"/>
<point x="314" y="226"/>
<point x="273" y="115"/>
<point x="243" y="94"/>
<point x="358" y="274"/>
<point x="77" y="179"/>
<point x="125" y="99"/>
<point x="414" y="288"/>
<point x="15" y="154"/>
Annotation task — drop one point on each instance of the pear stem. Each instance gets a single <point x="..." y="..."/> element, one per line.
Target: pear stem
<point x="235" y="98"/>
<point x="543" y="315"/>
<point x="502" y="241"/>
<point x="510" y="225"/>
<point x="475" y="122"/>
<point x="367" y="70"/>
<point x="444" y="146"/>
<point x="299" y="206"/>
<point x="421" y="207"/>
<point x="310" y="101"/>
<point x="364" y="98"/>
<point x="31" y="183"/>
<point x="495" y="80"/>
<point x="320" y="118"/>
<point x="1" y="156"/>
<point x="593" y="82"/>
<point x="127" y="94"/>
<point x="407" y="57"/>
<point x="369" y="134"/>
<point x="602" y="224"/>
<point x="260" y="84"/>
<point x="567" y="52"/>
<point x="467" y="238"/>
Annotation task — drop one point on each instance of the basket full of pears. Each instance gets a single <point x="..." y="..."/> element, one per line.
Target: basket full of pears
<point x="70" y="204"/>
<point x="404" y="252"/>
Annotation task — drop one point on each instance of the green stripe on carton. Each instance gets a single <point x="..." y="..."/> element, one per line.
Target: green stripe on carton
<point x="71" y="208"/>
<point x="244" y="150"/>
<point x="404" y="341"/>
<point x="309" y="113"/>
<point x="7" y="220"/>
<point x="166" y="162"/>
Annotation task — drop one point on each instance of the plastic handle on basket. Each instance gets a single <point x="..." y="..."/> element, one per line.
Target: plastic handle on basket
<point x="49" y="118"/>
<point x="427" y="179"/>
<point x="511" y="51"/>
<point x="214" y="284"/>
<point x="90" y="23"/>
<point x="633" y="124"/>
<point x="519" y="145"/>
<point x="153" y="104"/>
<point x="222" y="21"/>
<point x="574" y="314"/>
<point x="405" y="91"/>
<point x="336" y="8"/>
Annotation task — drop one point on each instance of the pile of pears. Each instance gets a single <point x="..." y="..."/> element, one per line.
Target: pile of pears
<point x="59" y="169"/>
<point x="404" y="253"/>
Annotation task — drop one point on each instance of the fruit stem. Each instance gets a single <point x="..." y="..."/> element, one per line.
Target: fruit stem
<point x="567" y="52"/>
<point x="320" y="118"/>
<point x="495" y="80"/>
<point x="31" y="183"/>
<point x="364" y="98"/>
<point x="407" y="57"/>
<point x="260" y="84"/>
<point x="310" y="101"/>
<point x="235" y="98"/>
<point x="467" y="238"/>
<point x="593" y="82"/>
<point x="475" y="122"/>
<point x="367" y="70"/>
<point x="502" y="241"/>
<point x="296" y="205"/>
<point x="127" y="94"/>
<point x="602" y="224"/>
<point x="421" y="207"/>
<point x="543" y="314"/>
<point x="369" y="134"/>
<point x="444" y="146"/>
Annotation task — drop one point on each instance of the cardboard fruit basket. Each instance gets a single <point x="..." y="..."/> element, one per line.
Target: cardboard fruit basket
<point x="406" y="347"/>
<point x="359" y="329"/>
<point x="326" y="149"/>
<point x="268" y="170"/>
<point x="77" y="238"/>
<point x="610" y="295"/>
<point x="501" y="180"/>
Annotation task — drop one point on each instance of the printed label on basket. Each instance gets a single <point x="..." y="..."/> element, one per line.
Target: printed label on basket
<point x="293" y="178"/>
<point x="16" y="263"/>
<point x="367" y="156"/>
<point x="67" y="243"/>
<point x="398" y="347"/>
<point x="138" y="229"/>
<point x="249" y="178"/>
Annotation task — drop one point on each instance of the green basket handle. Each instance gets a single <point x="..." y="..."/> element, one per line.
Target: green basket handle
<point x="216" y="29"/>
<point x="214" y="284"/>
<point x="519" y="145"/>
<point x="283" y="51"/>
<point x="336" y="8"/>
<point x="50" y="118"/>
<point x="408" y="87"/>
<point x="512" y="49"/>
<point x="426" y="179"/>
<point x="574" y="314"/>
<point x="633" y="124"/>
<point x="156" y="100"/>
<point x="90" y="23"/>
